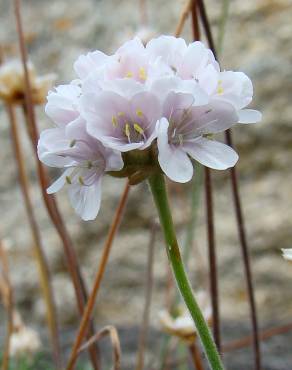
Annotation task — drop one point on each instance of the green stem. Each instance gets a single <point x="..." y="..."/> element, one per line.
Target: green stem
<point x="157" y="185"/>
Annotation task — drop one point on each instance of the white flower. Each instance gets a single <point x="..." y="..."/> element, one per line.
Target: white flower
<point x="120" y="123"/>
<point x="85" y="161"/>
<point x="183" y="131"/>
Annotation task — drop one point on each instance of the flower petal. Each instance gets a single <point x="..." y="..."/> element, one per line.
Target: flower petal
<point x="173" y="160"/>
<point x="86" y="199"/>
<point x="211" y="153"/>
<point x="249" y="116"/>
<point x="60" y="182"/>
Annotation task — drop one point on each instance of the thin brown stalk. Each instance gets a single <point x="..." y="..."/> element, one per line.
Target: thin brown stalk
<point x="196" y="356"/>
<point x="147" y="304"/>
<point x="51" y="205"/>
<point x="102" y="265"/>
<point x="42" y="264"/>
<point x="239" y="216"/>
<point x="213" y="275"/>
<point x="8" y="303"/>
<point x="183" y="17"/>
<point x="195" y="20"/>
<point x="111" y="331"/>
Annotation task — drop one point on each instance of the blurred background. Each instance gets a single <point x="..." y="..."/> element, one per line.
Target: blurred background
<point x="257" y="41"/>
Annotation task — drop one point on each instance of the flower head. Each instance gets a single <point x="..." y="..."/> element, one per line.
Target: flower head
<point x="12" y="83"/>
<point x="143" y="109"/>
<point x="287" y="254"/>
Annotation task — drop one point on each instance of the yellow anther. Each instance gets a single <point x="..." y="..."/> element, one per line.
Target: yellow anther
<point x="72" y="143"/>
<point x="121" y="114"/>
<point x="80" y="179"/>
<point x="220" y="89"/>
<point x="129" y="74"/>
<point x="180" y="139"/>
<point x="142" y="73"/>
<point x="127" y="130"/>
<point x="138" y="128"/>
<point x="139" y="113"/>
<point x="68" y="180"/>
<point x="114" y="121"/>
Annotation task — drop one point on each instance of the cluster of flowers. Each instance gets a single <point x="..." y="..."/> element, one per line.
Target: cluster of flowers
<point x="166" y="97"/>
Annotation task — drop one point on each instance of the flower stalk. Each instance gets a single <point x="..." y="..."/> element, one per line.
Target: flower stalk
<point x="158" y="189"/>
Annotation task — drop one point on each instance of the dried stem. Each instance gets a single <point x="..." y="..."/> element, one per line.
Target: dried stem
<point x="8" y="303"/>
<point x="114" y="337"/>
<point x="102" y="265"/>
<point x="212" y="258"/>
<point x="196" y="356"/>
<point x="183" y="17"/>
<point x="239" y="216"/>
<point x="213" y="275"/>
<point x="195" y="20"/>
<point x="71" y="259"/>
<point x="44" y="274"/>
<point x="148" y="294"/>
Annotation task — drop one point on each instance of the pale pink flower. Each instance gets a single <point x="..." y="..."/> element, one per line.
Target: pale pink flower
<point x="184" y="131"/>
<point x="121" y="123"/>
<point x="85" y="161"/>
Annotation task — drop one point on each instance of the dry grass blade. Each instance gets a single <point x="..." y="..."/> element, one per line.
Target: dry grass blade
<point x="102" y="265"/>
<point x="7" y="297"/>
<point x="239" y="215"/>
<point x="71" y="259"/>
<point x="45" y="280"/>
<point x="111" y="331"/>
<point x="148" y="294"/>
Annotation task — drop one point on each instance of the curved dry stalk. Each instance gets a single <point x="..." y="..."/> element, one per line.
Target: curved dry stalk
<point x="42" y="264"/>
<point x="148" y="294"/>
<point x="8" y="303"/>
<point x="112" y="332"/>
<point x="183" y="17"/>
<point x="102" y="265"/>
<point x="239" y="216"/>
<point x="50" y="203"/>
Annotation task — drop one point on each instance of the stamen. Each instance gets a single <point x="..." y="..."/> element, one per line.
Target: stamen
<point x="180" y="139"/>
<point x="80" y="179"/>
<point x="138" y="128"/>
<point x="139" y="113"/>
<point x="72" y="143"/>
<point x="89" y="165"/>
<point x="127" y="130"/>
<point x="68" y="180"/>
<point x="129" y="74"/>
<point x="114" y="121"/>
<point x="142" y="74"/>
<point x="220" y="89"/>
<point x="121" y="114"/>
